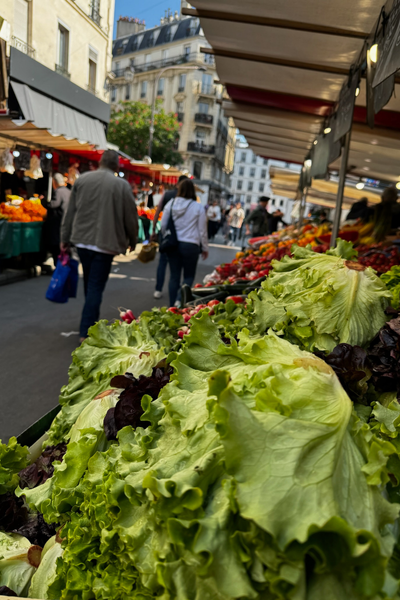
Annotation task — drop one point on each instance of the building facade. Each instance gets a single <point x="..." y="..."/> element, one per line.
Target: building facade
<point x="207" y="136"/>
<point x="70" y="37"/>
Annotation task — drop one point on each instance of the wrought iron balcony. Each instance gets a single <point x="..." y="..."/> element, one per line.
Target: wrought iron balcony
<point x="62" y="71"/>
<point x="95" y="13"/>
<point x="166" y="62"/>
<point x="204" y="119"/>
<point x="200" y="148"/>
<point x="22" y="46"/>
<point x="180" y="116"/>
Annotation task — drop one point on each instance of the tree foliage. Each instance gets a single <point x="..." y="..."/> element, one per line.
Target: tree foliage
<point x="130" y="129"/>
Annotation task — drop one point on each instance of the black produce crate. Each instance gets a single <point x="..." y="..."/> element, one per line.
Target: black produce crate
<point x="35" y="431"/>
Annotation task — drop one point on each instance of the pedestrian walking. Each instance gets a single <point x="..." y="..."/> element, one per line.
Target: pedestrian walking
<point x="163" y="260"/>
<point x="236" y="218"/>
<point x="214" y="219"/>
<point x="101" y="221"/>
<point x="273" y="221"/>
<point x="190" y="222"/>
<point x="55" y="213"/>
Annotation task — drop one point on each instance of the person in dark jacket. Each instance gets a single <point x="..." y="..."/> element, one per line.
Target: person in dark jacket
<point x="259" y="218"/>
<point x="163" y="261"/>
<point x="360" y="210"/>
<point x="274" y="219"/>
<point x="101" y="221"/>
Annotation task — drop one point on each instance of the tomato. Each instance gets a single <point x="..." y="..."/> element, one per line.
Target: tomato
<point x="237" y="299"/>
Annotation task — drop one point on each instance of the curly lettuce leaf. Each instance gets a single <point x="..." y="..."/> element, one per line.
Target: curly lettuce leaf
<point x="320" y="300"/>
<point x="13" y="458"/>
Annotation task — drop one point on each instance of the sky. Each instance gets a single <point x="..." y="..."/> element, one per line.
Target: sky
<point x="149" y="10"/>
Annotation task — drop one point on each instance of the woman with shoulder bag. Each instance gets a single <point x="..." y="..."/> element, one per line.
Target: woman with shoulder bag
<point x="184" y="231"/>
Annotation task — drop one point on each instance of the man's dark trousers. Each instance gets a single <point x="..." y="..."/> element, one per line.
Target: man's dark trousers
<point x="96" y="269"/>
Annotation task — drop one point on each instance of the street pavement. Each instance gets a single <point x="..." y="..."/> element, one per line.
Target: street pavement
<point x="37" y="337"/>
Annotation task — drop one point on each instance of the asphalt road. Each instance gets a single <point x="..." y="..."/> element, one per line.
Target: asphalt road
<point x="34" y="353"/>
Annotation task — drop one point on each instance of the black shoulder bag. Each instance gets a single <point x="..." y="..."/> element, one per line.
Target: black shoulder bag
<point x="169" y="239"/>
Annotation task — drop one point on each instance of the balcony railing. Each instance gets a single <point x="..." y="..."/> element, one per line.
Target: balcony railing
<point x="206" y="89"/>
<point x="95" y="14"/>
<point x="166" y="62"/>
<point x="200" y="148"/>
<point x="62" y="71"/>
<point x="203" y="119"/>
<point x="180" y="116"/>
<point x="22" y="46"/>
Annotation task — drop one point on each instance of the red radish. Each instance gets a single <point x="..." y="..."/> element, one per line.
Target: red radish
<point x="181" y="334"/>
<point x="130" y="314"/>
<point x="213" y="303"/>
<point x="186" y="318"/>
<point x="174" y="310"/>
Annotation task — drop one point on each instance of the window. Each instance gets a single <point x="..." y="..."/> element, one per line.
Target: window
<point x="281" y="203"/>
<point x="254" y="159"/>
<point x="160" y="89"/>
<point x="127" y="91"/>
<point x="143" y="89"/>
<point x="252" y="172"/>
<point x="63" y="50"/>
<point x="201" y="135"/>
<point x="21" y="17"/>
<point x="263" y="173"/>
<point x="197" y="168"/>
<point x="113" y="94"/>
<point x="240" y="184"/>
<point x="248" y="200"/>
<point x="250" y="186"/>
<point x="93" y="70"/>
<point x="164" y="56"/>
<point x="241" y="171"/>
<point x="243" y="157"/>
<point x="206" y="85"/>
<point x="265" y="163"/>
<point x="187" y="53"/>
<point x="209" y="59"/>
<point x="95" y="11"/>
<point x="182" y="82"/>
<point x="179" y="107"/>
<point x="147" y="59"/>
<point x="203" y="108"/>
<point x="273" y="201"/>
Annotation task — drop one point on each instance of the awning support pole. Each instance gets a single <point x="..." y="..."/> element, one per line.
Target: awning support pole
<point x="302" y="206"/>
<point x="342" y="182"/>
<point x="50" y="185"/>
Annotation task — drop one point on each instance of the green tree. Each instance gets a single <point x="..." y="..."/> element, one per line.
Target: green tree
<point x="129" y="129"/>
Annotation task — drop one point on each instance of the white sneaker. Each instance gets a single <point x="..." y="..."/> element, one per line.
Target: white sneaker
<point x="157" y="295"/>
<point x="178" y="304"/>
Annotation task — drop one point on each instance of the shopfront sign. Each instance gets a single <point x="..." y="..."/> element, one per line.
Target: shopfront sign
<point x="389" y="49"/>
<point x="345" y="110"/>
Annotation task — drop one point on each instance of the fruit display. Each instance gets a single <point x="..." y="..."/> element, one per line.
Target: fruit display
<point x="147" y="212"/>
<point x="27" y="211"/>
<point x="237" y="449"/>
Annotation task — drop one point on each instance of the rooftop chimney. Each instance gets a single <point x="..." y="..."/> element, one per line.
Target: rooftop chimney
<point x="129" y="26"/>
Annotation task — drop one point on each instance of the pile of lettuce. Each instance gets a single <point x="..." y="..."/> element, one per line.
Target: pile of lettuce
<point x="318" y="301"/>
<point x="392" y="281"/>
<point x="256" y="478"/>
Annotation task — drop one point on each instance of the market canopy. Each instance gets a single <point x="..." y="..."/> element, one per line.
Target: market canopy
<point x="284" y="65"/>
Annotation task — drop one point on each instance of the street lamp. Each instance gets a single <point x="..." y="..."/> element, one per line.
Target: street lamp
<point x="153" y="107"/>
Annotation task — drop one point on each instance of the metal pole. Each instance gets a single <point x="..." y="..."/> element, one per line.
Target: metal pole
<point x="342" y="182"/>
<point x="302" y="206"/>
<point x="50" y="185"/>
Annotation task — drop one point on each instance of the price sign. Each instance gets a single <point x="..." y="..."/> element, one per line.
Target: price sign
<point x="389" y="49"/>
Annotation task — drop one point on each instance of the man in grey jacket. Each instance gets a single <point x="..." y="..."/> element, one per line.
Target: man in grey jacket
<point x="101" y="221"/>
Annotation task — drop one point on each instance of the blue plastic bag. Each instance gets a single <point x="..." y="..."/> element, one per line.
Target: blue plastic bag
<point x="64" y="283"/>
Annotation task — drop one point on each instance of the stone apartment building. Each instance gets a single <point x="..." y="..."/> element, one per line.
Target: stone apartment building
<point x="207" y="136"/>
<point x="71" y="37"/>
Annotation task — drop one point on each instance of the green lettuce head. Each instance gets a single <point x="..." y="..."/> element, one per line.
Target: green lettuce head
<point x="320" y="300"/>
<point x="256" y="479"/>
